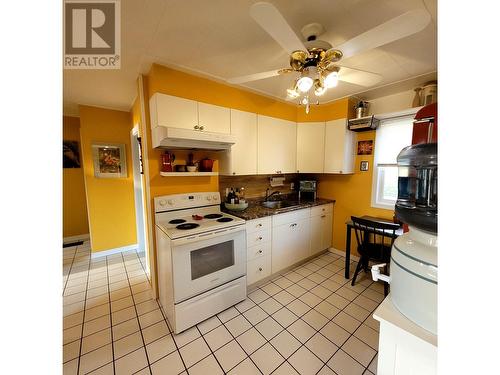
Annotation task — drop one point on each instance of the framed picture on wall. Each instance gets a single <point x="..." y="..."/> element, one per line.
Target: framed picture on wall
<point x="109" y="160"/>
<point x="71" y="154"/>
<point x="363" y="166"/>
<point x="365" y="147"/>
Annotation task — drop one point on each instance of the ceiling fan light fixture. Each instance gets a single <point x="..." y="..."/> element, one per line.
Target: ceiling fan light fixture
<point x="304" y="83"/>
<point x="292" y="93"/>
<point x="332" y="79"/>
<point x="319" y="89"/>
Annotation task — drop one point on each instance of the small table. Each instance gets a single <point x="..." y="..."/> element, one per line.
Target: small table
<point x="349" y="225"/>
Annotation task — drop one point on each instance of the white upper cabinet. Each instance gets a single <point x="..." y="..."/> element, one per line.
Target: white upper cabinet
<point x="171" y="111"/>
<point x="213" y="118"/>
<point x="310" y="147"/>
<point x="276" y="145"/>
<point x="241" y="159"/>
<point x="175" y="112"/>
<point x="339" y="147"/>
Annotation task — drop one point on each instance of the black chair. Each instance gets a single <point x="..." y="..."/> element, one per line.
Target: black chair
<point x="375" y="241"/>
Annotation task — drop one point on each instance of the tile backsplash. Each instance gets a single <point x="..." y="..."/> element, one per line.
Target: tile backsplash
<point x="256" y="185"/>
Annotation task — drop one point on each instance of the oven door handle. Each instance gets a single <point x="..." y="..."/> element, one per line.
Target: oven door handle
<point x="207" y="235"/>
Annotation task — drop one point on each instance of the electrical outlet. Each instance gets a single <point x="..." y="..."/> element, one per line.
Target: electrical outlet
<point x="291" y="185"/>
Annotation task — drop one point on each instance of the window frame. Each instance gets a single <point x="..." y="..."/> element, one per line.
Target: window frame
<point x="376" y="193"/>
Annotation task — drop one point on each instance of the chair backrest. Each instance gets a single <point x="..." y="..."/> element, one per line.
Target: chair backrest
<point x="377" y="234"/>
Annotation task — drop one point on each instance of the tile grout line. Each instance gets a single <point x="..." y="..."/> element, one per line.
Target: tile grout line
<point x="83" y="322"/>
<point x="137" y="315"/>
<point x="110" y="320"/>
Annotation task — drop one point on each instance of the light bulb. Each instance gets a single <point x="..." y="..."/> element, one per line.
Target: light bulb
<point x="292" y="93"/>
<point x="304" y="83"/>
<point x="305" y="100"/>
<point x="332" y="79"/>
<point x="319" y="89"/>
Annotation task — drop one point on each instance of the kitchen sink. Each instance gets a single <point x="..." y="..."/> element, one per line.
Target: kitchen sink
<point x="279" y="204"/>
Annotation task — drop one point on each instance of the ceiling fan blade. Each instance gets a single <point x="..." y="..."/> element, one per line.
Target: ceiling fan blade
<point x="397" y="28"/>
<point x="271" y="20"/>
<point x="358" y="77"/>
<point x="258" y="76"/>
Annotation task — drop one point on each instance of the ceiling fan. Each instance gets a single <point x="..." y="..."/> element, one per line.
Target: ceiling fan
<point x="316" y="60"/>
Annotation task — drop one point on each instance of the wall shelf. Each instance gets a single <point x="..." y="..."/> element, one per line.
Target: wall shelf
<point x="193" y="174"/>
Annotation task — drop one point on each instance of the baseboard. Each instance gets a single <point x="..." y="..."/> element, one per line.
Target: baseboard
<point x="117" y="250"/>
<point x="342" y="253"/>
<point x="79" y="237"/>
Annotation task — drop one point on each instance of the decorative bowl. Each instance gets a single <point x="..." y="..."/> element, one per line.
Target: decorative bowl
<point x="236" y="207"/>
<point x="191" y="168"/>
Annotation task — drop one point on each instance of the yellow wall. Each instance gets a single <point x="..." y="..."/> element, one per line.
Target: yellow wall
<point x="75" y="221"/>
<point x="110" y="201"/>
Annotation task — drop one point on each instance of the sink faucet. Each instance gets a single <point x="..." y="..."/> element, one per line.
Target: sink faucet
<point x="270" y="195"/>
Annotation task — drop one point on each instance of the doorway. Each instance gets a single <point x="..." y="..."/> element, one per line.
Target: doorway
<point x="139" y="195"/>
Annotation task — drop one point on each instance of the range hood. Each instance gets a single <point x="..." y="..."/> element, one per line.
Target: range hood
<point x="176" y="138"/>
<point x="363" y="124"/>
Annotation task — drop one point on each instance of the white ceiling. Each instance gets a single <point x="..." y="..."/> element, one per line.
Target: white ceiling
<point x="219" y="39"/>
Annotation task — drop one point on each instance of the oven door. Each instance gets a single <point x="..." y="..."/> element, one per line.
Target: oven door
<point x="205" y="261"/>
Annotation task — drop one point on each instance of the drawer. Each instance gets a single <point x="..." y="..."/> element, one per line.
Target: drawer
<point x="321" y="210"/>
<point x="291" y="217"/>
<point x="258" y="251"/>
<point x="259" y="237"/>
<point x="258" y="224"/>
<point x="257" y="269"/>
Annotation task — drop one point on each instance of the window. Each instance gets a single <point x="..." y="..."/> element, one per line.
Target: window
<point x="393" y="134"/>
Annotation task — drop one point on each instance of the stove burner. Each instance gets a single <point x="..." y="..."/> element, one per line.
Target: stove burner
<point x="213" y="216"/>
<point x="224" y="219"/>
<point x="177" y="221"/>
<point x="187" y="226"/>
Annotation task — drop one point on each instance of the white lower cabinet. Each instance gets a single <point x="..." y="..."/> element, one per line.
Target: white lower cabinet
<point x="258" y="268"/>
<point x="258" y="249"/>
<point x="277" y="242"/>
<point x="321" y="228"/>
<point x="290" y="236"/>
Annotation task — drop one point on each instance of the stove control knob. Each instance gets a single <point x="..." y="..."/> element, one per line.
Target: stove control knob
<point x="209" y="198"/>
<point x="170" y="202"/>
<point x="163" y="202"/>
<point x="215" y="197"/>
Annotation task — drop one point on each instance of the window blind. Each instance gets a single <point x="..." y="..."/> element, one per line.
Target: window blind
<point x="392" y="136"/>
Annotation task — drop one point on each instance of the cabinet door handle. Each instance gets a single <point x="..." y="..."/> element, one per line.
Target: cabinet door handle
<point x="260" y="269"/>
<point x="202" y="127"/>
<point x="259" y="225"/>
<point x="196" y="127"/>
<point x="234" y="173"/>
<point x="260" y="238"/>
<point x="293" y="225"/>
<point x="323" y="216"/>
<point x="260" y="251"/>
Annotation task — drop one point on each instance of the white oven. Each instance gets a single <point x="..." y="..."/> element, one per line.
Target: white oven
<point x="207" y="260"/>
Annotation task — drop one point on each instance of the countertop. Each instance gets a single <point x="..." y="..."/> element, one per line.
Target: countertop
<point x="255" y="210"/>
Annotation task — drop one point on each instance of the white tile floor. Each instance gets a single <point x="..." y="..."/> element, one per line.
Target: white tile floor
<point x="306" y="321"/>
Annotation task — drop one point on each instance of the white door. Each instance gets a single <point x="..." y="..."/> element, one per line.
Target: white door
<point x="310" y="147"/>
<point x="213" y="118"/>
<point x="282" y="247"/>
<point x="290" y="243"/>
<point x="339" y="153"/>
<point x="316" y="234"/>
<point x="241" y="159"/>
<point x="172" y="111"/>
<point x="327" y="230"/>
<point x="276" y="145"/>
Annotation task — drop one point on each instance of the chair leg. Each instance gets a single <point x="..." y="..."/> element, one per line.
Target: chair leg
<point x="358" y="268"/>
<point x="386" y="289"/>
